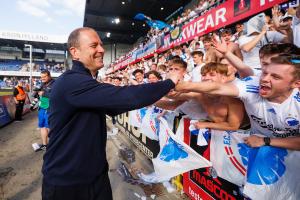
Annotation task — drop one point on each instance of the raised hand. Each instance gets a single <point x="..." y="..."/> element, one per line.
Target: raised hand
<point x="275" y="11"/>
<point x="220" y="46"/>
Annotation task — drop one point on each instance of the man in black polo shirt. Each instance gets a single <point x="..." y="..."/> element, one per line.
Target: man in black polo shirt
<point x="75" y="165"/>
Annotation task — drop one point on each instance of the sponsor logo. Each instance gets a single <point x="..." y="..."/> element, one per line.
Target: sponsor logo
<point x="297" y="96"/>
<point x="271" y="110"/>
<point x="214" y="187"/>
<point x="277" y="132"/>
<point x="172" y="151"/>
<point x="290" y="121"/>
<point x="265" y="164"/>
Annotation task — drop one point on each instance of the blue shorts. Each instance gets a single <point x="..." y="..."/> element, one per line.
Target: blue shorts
<point x="43" y="118"/>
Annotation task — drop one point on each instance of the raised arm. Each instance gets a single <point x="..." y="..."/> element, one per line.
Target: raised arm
<point x="237" y="51"/>
<point x="243" y="70"/>
<point x="227" y="89"/>
<point x="88" y="93"/>
<point x="250" y="45"/>
<point x="168" y="104"/>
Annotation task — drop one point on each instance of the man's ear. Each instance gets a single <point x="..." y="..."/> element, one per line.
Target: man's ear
<point x="74" y="52"/>
<point x="224" y="78"/>
<point x="296" y="84"/>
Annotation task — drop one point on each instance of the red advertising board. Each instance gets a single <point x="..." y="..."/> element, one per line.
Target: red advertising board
<point x="202" y="183"/>
<point x="8" y="108"/>
<point x="225" y="14"/>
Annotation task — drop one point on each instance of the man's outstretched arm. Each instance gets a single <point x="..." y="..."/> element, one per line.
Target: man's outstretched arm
<point x="227" y="89"/>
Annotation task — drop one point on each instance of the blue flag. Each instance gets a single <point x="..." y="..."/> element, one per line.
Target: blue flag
<point x="157" y="24"/>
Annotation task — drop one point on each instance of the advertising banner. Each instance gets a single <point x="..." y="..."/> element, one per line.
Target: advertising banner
<point x="225" y="14"/>
<point x="7" y="109"/>
<point x="149" y="147"/>
<point x="204" y="183"/>
<point x="150" y="48"/>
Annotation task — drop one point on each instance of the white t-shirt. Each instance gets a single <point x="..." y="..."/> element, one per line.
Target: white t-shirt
<point x="196" y="73"/>
<point x="187" y="78"/>
<point x="268" y="118"/>
<point x="296" y="30"/>
<point x="251" y="58"/>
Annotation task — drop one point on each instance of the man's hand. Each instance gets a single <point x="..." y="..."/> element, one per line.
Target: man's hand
<point x="265" y="28"/>
<point x="172" y="94"/>
<point x="182" y="87"/>
<point x="220" y="46"/>
<point x="174" y="76"/>
<point x="199" y="125"/>
<point x="275" y="11"/>
<point x="254" y="141"/>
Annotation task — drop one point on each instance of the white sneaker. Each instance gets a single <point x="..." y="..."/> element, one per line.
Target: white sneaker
<point x="36" y="146"/>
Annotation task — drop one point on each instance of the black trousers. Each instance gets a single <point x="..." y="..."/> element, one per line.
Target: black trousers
<point x="19" y="110"/>
<point x="100" y="189"/>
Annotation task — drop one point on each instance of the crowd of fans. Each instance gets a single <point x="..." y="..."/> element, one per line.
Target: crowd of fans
<point x="12" y="81"/>
<point x="243" y="77"/>
<point x="244" y="40"/>
<point x="185" y="17"/>
<point x="233" y="55"/>
<point x="38" y="66"/>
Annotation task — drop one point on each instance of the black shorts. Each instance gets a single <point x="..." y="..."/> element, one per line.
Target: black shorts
<point x="100" y="189"/>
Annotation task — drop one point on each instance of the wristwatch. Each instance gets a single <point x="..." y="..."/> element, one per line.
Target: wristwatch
<point x="267" y="141"/>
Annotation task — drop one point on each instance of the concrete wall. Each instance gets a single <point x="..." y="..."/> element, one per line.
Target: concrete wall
<point x="113" y="51"/>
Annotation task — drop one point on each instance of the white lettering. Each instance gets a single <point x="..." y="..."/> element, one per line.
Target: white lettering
<point x="191" y="29"/>
<point x="263" y="2"/>
<point x="200" y="25"/>
<point x="32" y="37"/>
<point x="220" y="15"/>
<point x="209" y="22"/>
<point x="194" y="194"/>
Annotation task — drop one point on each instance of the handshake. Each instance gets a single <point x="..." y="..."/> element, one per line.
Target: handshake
<point x="177" y="79"/>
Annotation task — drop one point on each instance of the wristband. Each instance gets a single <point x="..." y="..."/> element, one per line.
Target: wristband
<point x="267" y="141"/>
